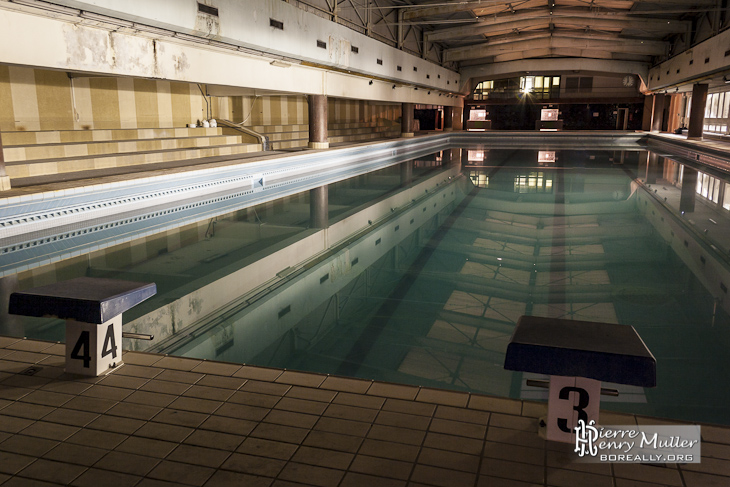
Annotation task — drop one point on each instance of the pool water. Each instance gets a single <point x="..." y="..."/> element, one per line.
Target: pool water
<point x="574" y="234"/>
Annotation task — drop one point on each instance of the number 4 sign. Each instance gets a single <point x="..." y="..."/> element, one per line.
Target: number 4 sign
<point x="571" y="399"/>
<point x="92" y="349"/>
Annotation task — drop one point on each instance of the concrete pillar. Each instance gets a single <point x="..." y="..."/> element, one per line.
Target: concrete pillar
<point x="697" y="111"/>
<point x="657" y="113"/>
<point x="318" y="122"/>
<point x="406" y="173"/>
<point x="646" y="115"/>
<point x="689" y="190"/>
<point x="448" y="119"/>
<point x="4" y="179"/>
<point x="319" y="207"/>
<point x="406" y="124"/>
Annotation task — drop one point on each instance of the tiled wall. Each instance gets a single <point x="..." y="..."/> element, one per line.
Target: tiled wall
<point x="36" y="99"/>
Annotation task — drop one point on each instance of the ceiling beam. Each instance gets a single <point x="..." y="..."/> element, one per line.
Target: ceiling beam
<point x="547" y="41"/>
<point x="542" y="19"/>
<point x="562" y="52"/>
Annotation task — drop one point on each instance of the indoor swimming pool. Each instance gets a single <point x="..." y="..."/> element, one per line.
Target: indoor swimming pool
<point x="427" y="264"/>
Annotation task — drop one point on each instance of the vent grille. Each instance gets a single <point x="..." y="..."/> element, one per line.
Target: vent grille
<point x="276" y="24"/>
<point x="380" y="61"/>
<point x="322" y="44"/>
<point x="207" y="9"/>
<point x="354" y="49"/>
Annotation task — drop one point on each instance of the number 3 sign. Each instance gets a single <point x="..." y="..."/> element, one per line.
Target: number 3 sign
<point x="91" y="349"/>
<point x="571" y="399"/>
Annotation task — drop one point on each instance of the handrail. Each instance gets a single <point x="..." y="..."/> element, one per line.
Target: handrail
<point x="263" y="139"/>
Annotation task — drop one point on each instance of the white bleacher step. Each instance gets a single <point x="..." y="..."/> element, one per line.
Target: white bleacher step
<point x="100" y="135"/>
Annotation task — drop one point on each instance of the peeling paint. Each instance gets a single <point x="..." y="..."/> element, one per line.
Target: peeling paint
<point x="180" y="63"/>
<point x="87" y="47"/>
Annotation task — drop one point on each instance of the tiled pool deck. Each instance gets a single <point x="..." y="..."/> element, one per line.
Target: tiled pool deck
<point x="168" y="421"/>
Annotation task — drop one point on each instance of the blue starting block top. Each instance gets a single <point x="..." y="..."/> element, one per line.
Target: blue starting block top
<point x="87" y="299"/>
<point x="601" y="351"/>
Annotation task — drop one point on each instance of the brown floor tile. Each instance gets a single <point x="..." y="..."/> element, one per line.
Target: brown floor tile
<point x="150" y="399"/>
<point x="14" y="393"/>
<point x="223" y="478"/>
<point x="393" y="390"/>
<point x="255" y="465"/>
<point x="220" y="382"/>
<point x="123" y="381"/>
<point x="342" y="426"/>
<point x="311" y="475"/>
<point x="140" y="358"/>
<point x="203" y="456"/>
<point x="97" y="438"/>
<point x="382" y="467"/>
<point x="323" y="458"/>
<point x="179" y="376"/>
<point x="77" y="454"/>
<point x="195" y="405"/>
<point x="210" y="393"/>
<point x="289" y="418"/>
<point x="389" y="449"/>
<point x="28" y="445"/>
<point x="301" y="406"/>
<point x="351" y="412"/>
<point x="50" y="471"/>
<point x="402" y="420"/>
<point x="71" y="417"/>
<point x="134" y="411"/>
<point x="453" y="443"/>
<point x="696" y="479"/>
<point x="267" y="448"/>
<point x="334" y="441"/>
<point x="90" y="404"/>
<point x="570" y="478"/>
<point x="715" y="450"/>
<point x="463" y="415"/>
<point x="51" y="431"/>
<point x="512" y="470"/>
<point x="277" y="432"/>
<point x="495" y="404"/>
<point x="448" y="398"/>
<point x="106" y="392"/>
<point x="663" y="475"/>
<point x="27" y="411"/>
<point x="398" y="435"/>
<point x="359" y="400"/>
<point x="409" y="407"/>
<point x="181" y="473"/>
<point x="242" y="411"/>
<point x="522" y="454"/>
<point x="458" y="428"/>
<point x="12" y="463"/>
<point x="131" y="463"/>
<point x="141" y="372"/>
<point x="447" y="459"/>
<point x="254" y="399"/>
<point x="486" y="481"/>
<point x="95" y="477"/>
<point x="716" y="434"/>
<point x="257" y="373"/>
<point x="47" y="398"/>
<point x="177" y="363"/>
<point x="30" y="345"/>
<point x="311" y="394"/>
<point x="345" y="384"/>
<point x="214" y="439"/>
<point x="146" y="447"/>
<point x="234" y="426"/>
<point x="442" y="477"/>
<point x="515" y="437"/>
<point x="165" y="432"/>
<point x="11" y="424"/>
<point x="353" y="479"/>
<point x="569" y="461"/>
<point x="301" y="378"/>
<point x="181" y="418"/>
<point x="514" y="422"/>
<point x="216" y="368"/>
<point x="165" y="387"/>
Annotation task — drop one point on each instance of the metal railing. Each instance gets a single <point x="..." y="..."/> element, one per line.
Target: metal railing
<point x="263" y="139"/>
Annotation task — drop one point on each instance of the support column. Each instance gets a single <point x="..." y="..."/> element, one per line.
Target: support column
<point x="448" y="119"/>
<point x="406" y="124"/>
<point x="646" y="115"/>
<point x="657" y="113"/>
<point x="318" y="122"/>
<point x="4" y="179"/>
<point x="319" y="207"/>
<point x="697" y="111"/>
<point x="689" y="190"/>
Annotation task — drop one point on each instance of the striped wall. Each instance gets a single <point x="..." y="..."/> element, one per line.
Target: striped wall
<point x="36" y="99"/>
